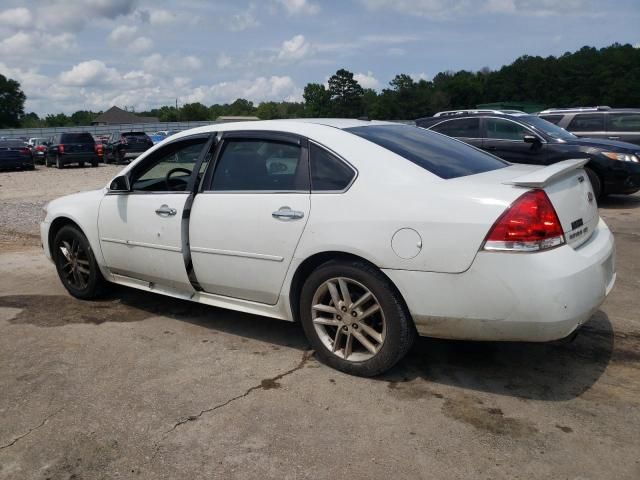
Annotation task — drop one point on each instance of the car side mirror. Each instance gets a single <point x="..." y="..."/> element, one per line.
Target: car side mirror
<point x="530" y="139"/>
<point x="120" y="184"/>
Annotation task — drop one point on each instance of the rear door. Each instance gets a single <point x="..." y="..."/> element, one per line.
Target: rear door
<point x="505" y="139"/>
<point x="246" y="223"/>
<point x="465" y="129"/>
<point x="624" y="127"/>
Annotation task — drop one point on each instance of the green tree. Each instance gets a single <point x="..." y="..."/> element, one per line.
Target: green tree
<point x="317" y="101"/>
<point x="241" y="107"/>
<point x="82" y="117"/>
<point x="11" y="102"/>
<point x="58" y="120"/>
<point x="195" y="111"/>
<point x="31" y="120"/>
<point x="269" y="111"/>
<point x="346" y="94"/>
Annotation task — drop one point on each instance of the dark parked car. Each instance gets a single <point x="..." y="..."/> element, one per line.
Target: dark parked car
<point x="126" y="146"/>
<point x="598" y="122"/>
<point x="614" y="167"/>
<point x="15" y="154"/>
<point x="66" y="148"/>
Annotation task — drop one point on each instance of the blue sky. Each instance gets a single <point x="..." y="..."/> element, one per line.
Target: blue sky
<point x="91" y="54"/>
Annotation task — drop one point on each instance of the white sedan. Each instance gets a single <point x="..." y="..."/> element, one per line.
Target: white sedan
<point x="367" y="233"/>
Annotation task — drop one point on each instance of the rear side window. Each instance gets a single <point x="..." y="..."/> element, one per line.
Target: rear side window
<point x="555" y="119"/>
<point x="505" y="130"/>
<point x="328" y="172"/>
<point x="462" y="127"/>
<point x="261" y="165"/>
<point x="583" y="122"/>
<point x="438" y="154"/>
<point x="76" y="138"/>
<point x="624" y="122"/>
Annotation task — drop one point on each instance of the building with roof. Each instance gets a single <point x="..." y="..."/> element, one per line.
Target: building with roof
<point x="116" y="115"/>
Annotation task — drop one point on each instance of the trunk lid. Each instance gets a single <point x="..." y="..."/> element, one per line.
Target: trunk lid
<point x="567" y="186"/>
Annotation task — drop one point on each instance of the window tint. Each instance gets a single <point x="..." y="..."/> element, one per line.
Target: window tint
<point x="168" y="169"/>
<point x="593" y="122"/>
<point x="462" y="127"/>
<point x="442" y="156"/>
<point x="328" y="172"/>
<point x="624" y="122"/>
<point x="77" y="138"/>
<point x="555" y="119"/>
<point x="505" y="129"/>
<point x="255" y="164"/>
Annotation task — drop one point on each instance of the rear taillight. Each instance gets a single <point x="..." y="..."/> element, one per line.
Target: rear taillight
<point x="99" y="149"/>
<point x="529" y="225"/>
<point x="60" y="148"/>
<point x="40" y="148"/>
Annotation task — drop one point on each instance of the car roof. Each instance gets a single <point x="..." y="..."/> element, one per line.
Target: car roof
<point x="564" y="111"/>
<point x="471" y="115"/>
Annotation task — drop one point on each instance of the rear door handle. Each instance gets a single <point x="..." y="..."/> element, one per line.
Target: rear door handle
<point x="286" y="212"/>
<point x="166" y="211"/>
<point x="614" y="138"/>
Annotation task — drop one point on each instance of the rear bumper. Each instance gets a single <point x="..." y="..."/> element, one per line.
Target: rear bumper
<point x="68" y="158"/>
<point x="513" y="297"/>
<point x="11" y="164"/>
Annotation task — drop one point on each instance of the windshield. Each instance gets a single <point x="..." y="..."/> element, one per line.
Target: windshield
<point x="548" y="128"/>
<point x="439" y="154"/>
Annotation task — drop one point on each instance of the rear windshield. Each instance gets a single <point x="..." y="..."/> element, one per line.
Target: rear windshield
<point x="76" y="138"/>
<point x="440" y="155"/>
<point x="135" y="134"/>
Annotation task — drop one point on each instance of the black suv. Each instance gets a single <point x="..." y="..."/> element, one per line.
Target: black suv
<point x="614" y="167"/>
<point x="66" y="148"/>
<point x="597" y="122"/>
<point x="126" y="146"/>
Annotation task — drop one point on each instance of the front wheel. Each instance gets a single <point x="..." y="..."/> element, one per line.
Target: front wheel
<point x="354" y="318"/>
<point x="596" y="183"/>
<point x="76" y="264"/>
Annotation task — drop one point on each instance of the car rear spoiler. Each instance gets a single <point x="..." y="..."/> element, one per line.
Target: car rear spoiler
<point x="545" y="176"/>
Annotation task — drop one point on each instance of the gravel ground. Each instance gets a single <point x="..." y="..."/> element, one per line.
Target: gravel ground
<point x="24" y="193"/>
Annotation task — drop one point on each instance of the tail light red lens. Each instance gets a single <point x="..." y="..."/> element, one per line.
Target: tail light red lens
<point x="40" y="148"/>
<point x="60" y="148"/>
<point x="99" y="149"/>
<point x="529" y="225"/>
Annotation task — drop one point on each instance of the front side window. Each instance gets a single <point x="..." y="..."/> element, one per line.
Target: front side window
<point x="261" y="165"/>
<point x="505" y="130"/>
<point x="624" y="122"/>
<point x="328" y="172"/>
<point x="168" y="169"/>
<point x="438" y="154"/>
<point x="462" y="127"/>
<point x="587" y="122"/>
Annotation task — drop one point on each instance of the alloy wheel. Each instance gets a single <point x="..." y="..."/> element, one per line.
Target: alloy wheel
<point x="348" y="319"/>
<point x="74" y="263"/>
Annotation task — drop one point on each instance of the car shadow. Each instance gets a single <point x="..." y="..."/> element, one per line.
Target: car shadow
<point x="620" y="202"/>
<point x="553" y="371"/>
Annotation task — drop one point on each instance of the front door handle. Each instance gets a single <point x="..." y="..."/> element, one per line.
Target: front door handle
<point x="286" y="212"/>
<point x="166" y="211"/>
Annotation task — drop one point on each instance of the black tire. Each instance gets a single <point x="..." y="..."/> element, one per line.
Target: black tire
<point x="596" y="183"/>
<point x="59" y="164"/>
<point x="94" y="164"/>
<point x="46" y="162"/>
<point x="93" y="284"/>
<point x="81" y="164"/>
<point x="400" y="329"/>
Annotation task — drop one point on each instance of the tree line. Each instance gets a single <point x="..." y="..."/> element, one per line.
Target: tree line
<point x="589" y="76"/>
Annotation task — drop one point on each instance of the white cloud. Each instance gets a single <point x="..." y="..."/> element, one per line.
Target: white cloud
<point x="295" y="7"/>
<point x="23" y="43"/>
<point x="223" y="61"/>
<point x="140" y="45"/>
<point x="15" y="17"/>
<point x="123" y="33"/>
<point x="257" y="90"/>
<point x="367" y="80"/>
<point x="170" y="64"/>
<point x="75" y="15"/>
<point x="244" y="20"/>
<point x="89" y="73"/>
<point x="419" y="76"/>
<point x="294" y="49"/>
<point x="161" y="17"/>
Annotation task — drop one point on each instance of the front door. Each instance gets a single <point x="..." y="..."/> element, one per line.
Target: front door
<point x="141" y="231"/>
<point x="246" y="223"/>
<point x="505" y="139"/>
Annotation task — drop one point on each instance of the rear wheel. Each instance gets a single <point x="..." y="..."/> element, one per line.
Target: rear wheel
<point x="59" y="163"/>
<point x="76" y="264"/>
<point x="46" y="162"/>
<point x="354" y="318"/>
<point x="596" y="183"/>
<point x="94" y="164"/>
<point x="81" y="164"/>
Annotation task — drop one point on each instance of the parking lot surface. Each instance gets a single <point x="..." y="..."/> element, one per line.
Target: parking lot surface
<point x="143" y="386"/>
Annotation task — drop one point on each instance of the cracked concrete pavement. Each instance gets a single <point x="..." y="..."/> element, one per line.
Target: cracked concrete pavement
<point x="142" y="386"/>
